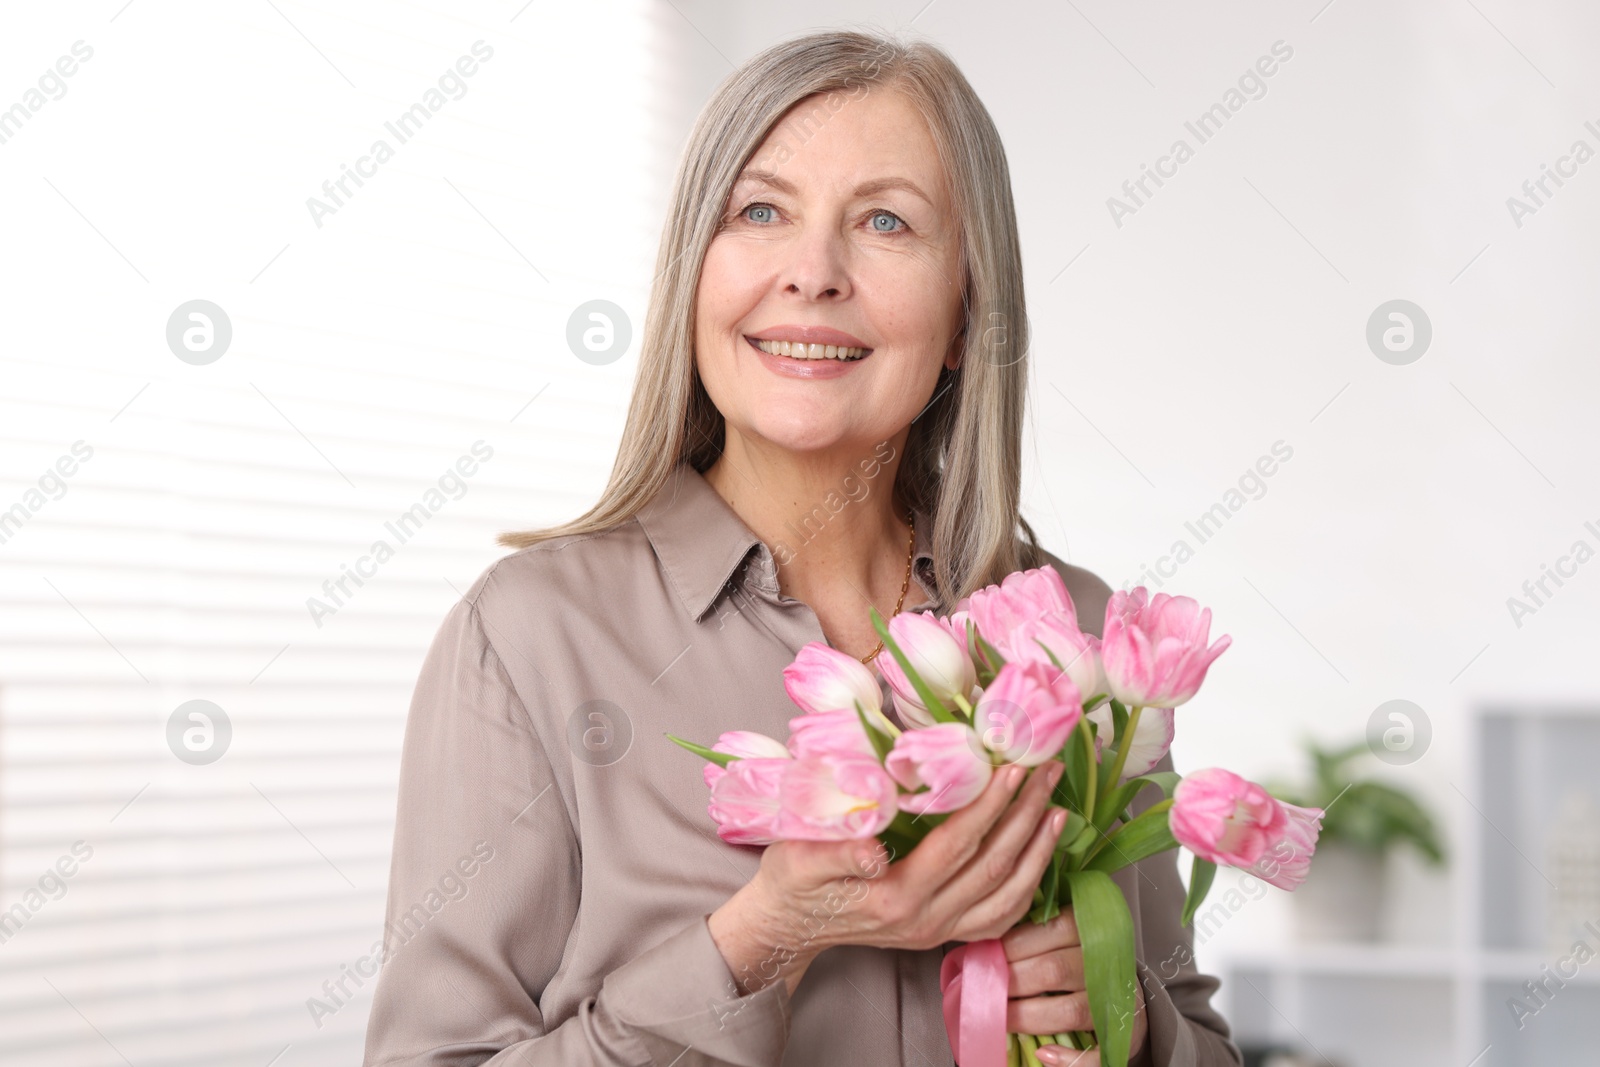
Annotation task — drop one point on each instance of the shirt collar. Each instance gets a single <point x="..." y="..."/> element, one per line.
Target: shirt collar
<point x="701" y="542"/>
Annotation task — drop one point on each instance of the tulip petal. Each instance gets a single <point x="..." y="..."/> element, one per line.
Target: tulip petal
<point x="835" y="798"/>
<point x="948" y="759"/>
<point x="822" y="678"/>
<point x="1225" y="819"/>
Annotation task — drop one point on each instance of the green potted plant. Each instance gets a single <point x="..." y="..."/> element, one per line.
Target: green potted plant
<point x="1343" y="897"/>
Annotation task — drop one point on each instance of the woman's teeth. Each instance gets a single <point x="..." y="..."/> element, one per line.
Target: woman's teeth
<point x="795" y="350"/>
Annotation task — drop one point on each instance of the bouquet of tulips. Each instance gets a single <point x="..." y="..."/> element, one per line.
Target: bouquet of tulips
<point x="1008" y="677"/>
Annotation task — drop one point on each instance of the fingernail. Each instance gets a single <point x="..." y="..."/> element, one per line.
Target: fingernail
<point x="1058" y="819"/>
<point x="1057" y="768"/>
<point x="1048" y="1054"/>
<point x="1014" y="775"/>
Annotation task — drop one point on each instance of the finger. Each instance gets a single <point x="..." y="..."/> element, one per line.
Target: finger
<point x="997" y="887"/>
<point x="1000" y="846"/>
<point x="1031" y="939"/>
<point x="952" y="844"/>
<point x="1060" y="970"/>
<point x="1049" y="1014"/>
<point x="1069" y="1057"/>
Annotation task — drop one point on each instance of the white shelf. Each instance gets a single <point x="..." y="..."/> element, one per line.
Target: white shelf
<point x="1402" y="961"/>
<point x="1396" y="961"/>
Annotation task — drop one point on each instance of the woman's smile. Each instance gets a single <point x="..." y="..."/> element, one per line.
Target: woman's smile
<point x="814" y="352"/>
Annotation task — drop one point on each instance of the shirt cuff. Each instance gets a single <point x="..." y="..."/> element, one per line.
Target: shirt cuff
<point x="681" y="994"/>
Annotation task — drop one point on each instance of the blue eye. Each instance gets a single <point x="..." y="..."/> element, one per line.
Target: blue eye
<point x="760" y="213"/>
<point x="886" y="222"/>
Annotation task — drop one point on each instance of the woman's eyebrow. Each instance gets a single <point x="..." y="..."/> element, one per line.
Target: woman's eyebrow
<point x="880" y="184"/>
<point x="871" y="188"/>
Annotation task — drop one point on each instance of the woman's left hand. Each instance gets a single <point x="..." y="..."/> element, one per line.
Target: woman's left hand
<point x="1046" y="961"/>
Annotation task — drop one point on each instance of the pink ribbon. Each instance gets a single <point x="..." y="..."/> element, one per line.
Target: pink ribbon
<point x="974" y="980"/>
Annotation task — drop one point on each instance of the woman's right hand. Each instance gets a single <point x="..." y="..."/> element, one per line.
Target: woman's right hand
<point x="972" y="878"/>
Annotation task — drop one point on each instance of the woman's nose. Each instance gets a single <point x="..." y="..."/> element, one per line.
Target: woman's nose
<point x="815" y="266"/>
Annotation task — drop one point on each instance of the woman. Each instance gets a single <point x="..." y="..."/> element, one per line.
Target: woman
<point x="827" y="415"/>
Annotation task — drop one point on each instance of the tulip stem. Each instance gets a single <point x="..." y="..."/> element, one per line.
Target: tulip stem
<point x="885" y="725"/>
<point x="1088" y="747"/>
<point x="1124" y="743"/>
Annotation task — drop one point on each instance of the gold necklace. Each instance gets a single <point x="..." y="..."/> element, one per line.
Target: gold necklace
<point x="910" y="548"/>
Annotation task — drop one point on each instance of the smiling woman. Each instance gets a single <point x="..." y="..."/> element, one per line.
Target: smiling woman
<point x="839" y="280"/>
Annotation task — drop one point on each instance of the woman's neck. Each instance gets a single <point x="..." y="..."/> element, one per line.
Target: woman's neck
<point x="834" y="524"/>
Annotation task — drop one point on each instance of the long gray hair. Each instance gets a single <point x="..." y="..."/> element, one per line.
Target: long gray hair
<point x="962" y="460"/>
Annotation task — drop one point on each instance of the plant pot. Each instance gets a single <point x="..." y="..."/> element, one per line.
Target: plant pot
<point x="1343" y="896"/>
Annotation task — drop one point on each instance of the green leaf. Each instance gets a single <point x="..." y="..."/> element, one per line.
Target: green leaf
<point x="1106" y="928"/>
<point x="1094" y="702"/>
<point x="1049" y="904"/>
<point x="899" y="845"/>
<point x="1113" y="802"/>
<point x="721" y="759"/>
<point x="986" y="673"/>
<point x="1142" y="838"/>
<point x="1374" y="816"/>
<point x="1119" y="737"/>
<point x="990" y="653"/>
<point x="881" y="742"/>
<point x="905" y="830"/>
<point x="915" y="827"/>
<point x="1070" y="830"/>
<point x="1080" y="844"/>
<point x="1069" y="790"/>
<point x="934" y="705"/>
<point x="1119" y="719"/>
<point x="1200" y="878"/>
<point x="1167" y="780"/>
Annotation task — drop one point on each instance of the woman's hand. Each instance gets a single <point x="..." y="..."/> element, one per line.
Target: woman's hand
<point x="1046" y="960"/>
<point x="971" y="878"/>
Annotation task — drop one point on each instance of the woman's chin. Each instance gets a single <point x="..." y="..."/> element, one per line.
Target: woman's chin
<point x="812" y="435"/>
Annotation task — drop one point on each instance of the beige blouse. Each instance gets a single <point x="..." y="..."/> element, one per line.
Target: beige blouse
<point x="554" y="863"/>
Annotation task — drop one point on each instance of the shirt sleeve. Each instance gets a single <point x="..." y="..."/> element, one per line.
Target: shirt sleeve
<point x="484" y="894"/>
<point x="1184" y="1030"/>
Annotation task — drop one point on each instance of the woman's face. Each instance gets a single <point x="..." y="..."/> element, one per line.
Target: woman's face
<point x="839" y="235"/>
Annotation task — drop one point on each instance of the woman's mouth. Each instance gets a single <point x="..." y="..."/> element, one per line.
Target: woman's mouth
<point x="796" y="350"/>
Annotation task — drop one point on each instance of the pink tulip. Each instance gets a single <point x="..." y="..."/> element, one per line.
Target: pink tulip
<point x="835" y="798"/>
<point x="1151" y="738"/>
<point x="1022" y="596"/>
<point x="1027" y="713"/>
<point x="822" y="678"/>
<point x="745" y="744"/>
<point x="744" y="800"/>
<point x="1225" y="819"/>
<point x="829" y="733"/>
<point x="947" y="758"/>
<point x="912" y="714"/>
<point x="956" y="623"/>
<point x="1287" y="861"/>
<point x="934" y="652"/>
<point x="1077" y="651"/>
<point x="1155" y="652"/>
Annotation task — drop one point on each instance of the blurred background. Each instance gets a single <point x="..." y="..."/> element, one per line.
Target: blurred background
<point x="1333" y="374"/>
